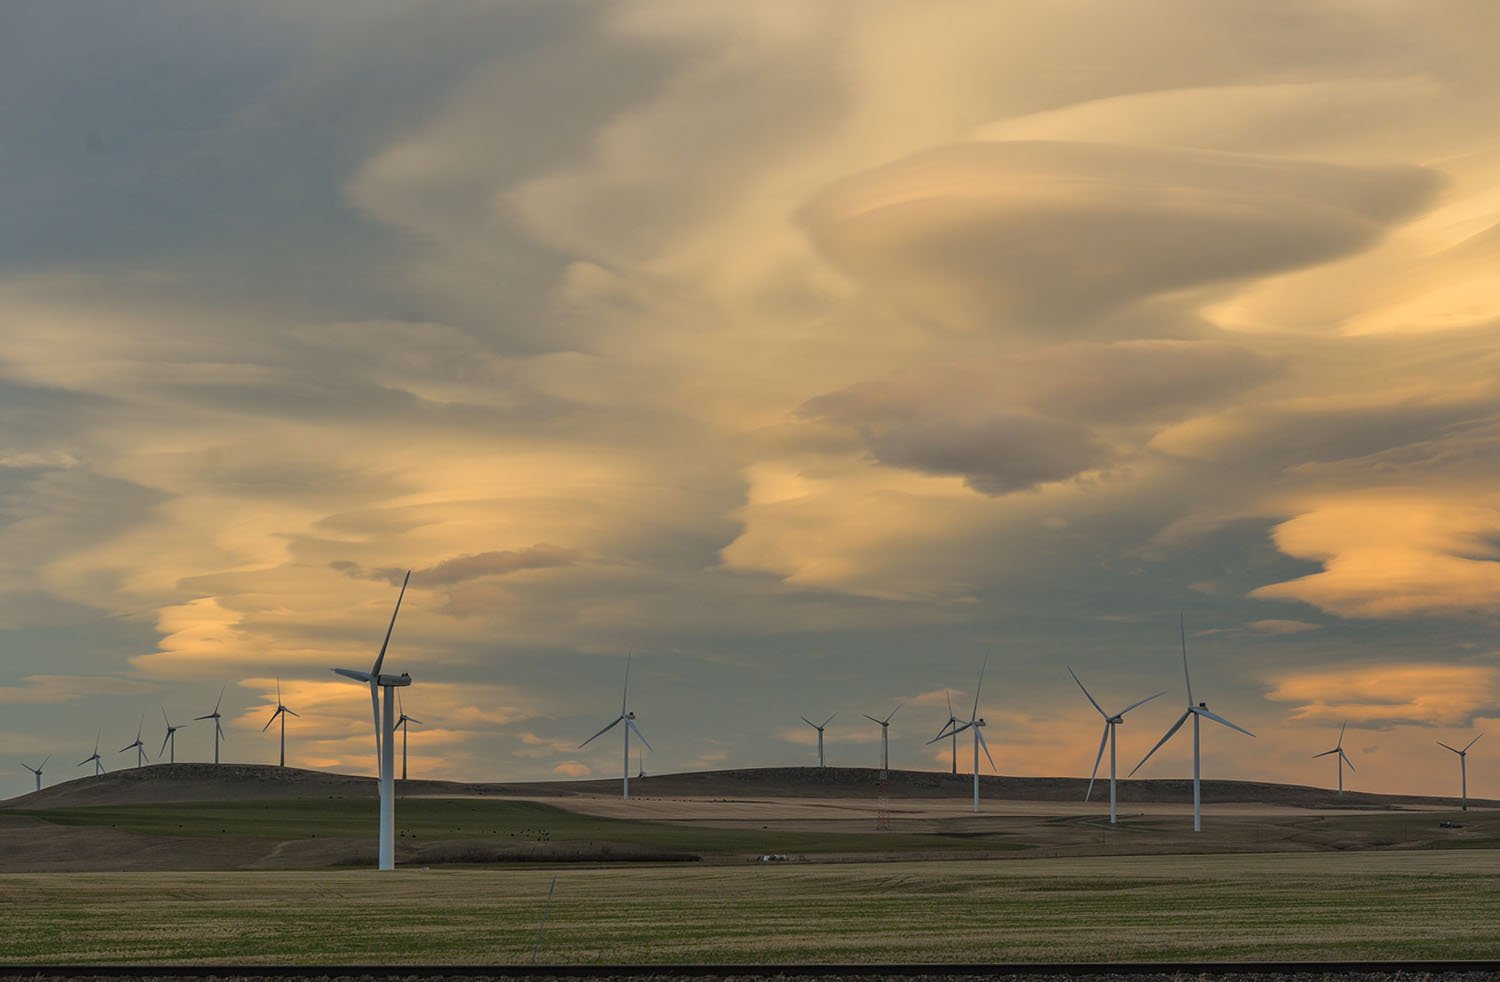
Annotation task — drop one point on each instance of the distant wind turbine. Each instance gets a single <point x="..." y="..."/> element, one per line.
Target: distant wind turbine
<point x="218" y="728"/>
<point x="401" y="725"/>
<point x="1463" y="766"/>
<point x="975" y="722"/>
<point x="98" y="761"/>
<point x="37" y="770"/>
<point x="170" y="739"/>
<point x="138" y="746"/>
<point x="1110" y="722"/>
<point x="282" y="712"/>
<point x="385" y="733"/>
<point x="628" y="718"/>
<point x="953" y="734"/>
<point x="1197" y="712"/>
<point x="1343" y="758"/>
<point x="885" y="729"/>
<point x="820" y="730"/>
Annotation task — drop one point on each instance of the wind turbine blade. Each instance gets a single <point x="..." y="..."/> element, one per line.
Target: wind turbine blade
<point x="1325" y="753"/>
<point x="1141" y="703"/>
<point x="271" y="720"/>
<point x="375" y="715"/>
<point x="292" y="713"/>
<point x="625" y="693"/>
<point x="986" y="748"/>
<point x="898" y="709"/>
<point x="637" y="730"/>
<point x="1472" y="742"/>
<point x="164" y="743"/>
<point x="43" y="763"/>
<point x="350" y="673"/>
<point x="220" y="728"/>
<point x="1170" y="733"/>
<point x="1446" y="747"/>
<point x="413" y="719"/>
<point x="871" y="718"/>
<point x="601" y="732"/>
<point x="1346" y="759"/>
<point x="974" y="714"/>
<point x="1086" y="694"/>
<point x="808" y="722"/>
<point x="1341" y="733"/>
<point x="380" y="658"/>
<point x="1182" y="633"/>
<point x="1100" y="756"/>
<point x="164" y="716"/>
<point x="1219" y="719"/>
<point x="220" y="699"/>
<point x="948" y="733"/>
<point x="949" y="697"/>
<point x="278" y="690"/>
<point x="827" y="721"/>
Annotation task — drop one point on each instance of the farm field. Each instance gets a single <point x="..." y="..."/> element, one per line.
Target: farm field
<point x="1369" y="905"/>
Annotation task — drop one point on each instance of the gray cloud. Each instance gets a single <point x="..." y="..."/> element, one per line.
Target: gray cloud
<point x="459" y="569"/>
<point x="994" y="456"/>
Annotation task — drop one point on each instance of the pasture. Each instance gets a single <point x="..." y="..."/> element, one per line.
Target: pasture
<point x="1367" y="905"/>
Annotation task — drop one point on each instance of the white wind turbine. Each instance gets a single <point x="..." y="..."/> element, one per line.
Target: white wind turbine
<point x="219" y="729"/>
<point x="1463" y="766"/>
<point x="98" y="761"/>
<point x="885" y="729"/>
<point x="37" y="770"/>
<point x="1110" y="722"/>
<point x="138" y="746"/>
<point x="1197" y="711"/>
<point x="1343" y="758"/>
<point x="820" y="730"/>
<point x="975" y="722"/>
<point x="952" y="721"/>
<point x="401" y="722"/>
<point x="282" y="712"/>
<point x="385" y="733"/>
<point x="170" y="738"/>
<point x="628" y="718"/>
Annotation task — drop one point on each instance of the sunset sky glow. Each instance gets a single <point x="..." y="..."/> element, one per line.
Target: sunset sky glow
<point x="812" y="351"/>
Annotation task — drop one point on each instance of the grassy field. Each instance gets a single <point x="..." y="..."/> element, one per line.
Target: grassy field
<point x="1385" y="905"/>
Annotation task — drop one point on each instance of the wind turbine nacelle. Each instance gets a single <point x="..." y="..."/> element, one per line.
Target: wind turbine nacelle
<point x="403" y="679"/>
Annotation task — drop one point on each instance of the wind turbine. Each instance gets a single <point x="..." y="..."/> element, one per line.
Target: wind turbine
<point x="1110" y="722"/>
<point x="952" y="721"/>
<point x="170" y="738"/>
<point x="1197" y="712"/>
<point x="401" y="725"/>
<point x="385" y="733"/>
<point x="281" y="711"/>
<point x="628" y="718"/>
<point x="1343" y="758"/>
<point x="885" y="729"/>
<point x="1463" y="768"/>
<point x="37" y="770"/>
<point x="975" y="722"/>
<point x="820" y="730"/>
<point x="139" y="747"/>
<point x="218" y="728"/>
<point x="98" y="761"/>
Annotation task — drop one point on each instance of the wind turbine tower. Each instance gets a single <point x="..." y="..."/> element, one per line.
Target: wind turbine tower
<point x="820" y="730"/>
<point x="628" y="718"/>
<point x="1343" y="758"/>
<point x="282" y="712"/>
<point x="138" y="746"/>
<point x="385" y="733"/>
<point x="37" y="770"/>
<point x="1198" y="712"/>
<point x="975" y="722"/>
<point x="219" y="729"/>
<point x="1463" y="767"/>
<point x="170" y="739"/>
<point x="885" y="729"/>
<point x="1110" y="722"/>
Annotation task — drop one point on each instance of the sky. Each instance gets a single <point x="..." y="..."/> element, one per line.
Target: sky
<point x="814" y="353"/>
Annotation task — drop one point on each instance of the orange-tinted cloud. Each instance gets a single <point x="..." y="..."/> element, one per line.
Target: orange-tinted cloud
<point x="1390" y="695"/>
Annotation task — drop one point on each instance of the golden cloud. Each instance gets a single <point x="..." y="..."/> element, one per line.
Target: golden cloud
<point x="1380" y="696"/>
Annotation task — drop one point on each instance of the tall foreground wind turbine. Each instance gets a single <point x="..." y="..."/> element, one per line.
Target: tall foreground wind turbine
<point x="1463" y="766"/>
<point x="219" y="729"/>
<point x="820" y="730"/>
<point x="138" y="746"/>
<point x="1343" y="758"/>
<point x="401" y="725"/>
<point x="282" y="712"/>
<point x="37" y="770"/>
<point x="170" y="738"/>
<point x="975" y="722"/>
<point x="628" y="718"/>
<point x="1110" y="722"/>
<point x="1197" y="712"/>
<point x="885" y="729"/>
<point x="98" y="761"/>
<point x="385" y="733"/>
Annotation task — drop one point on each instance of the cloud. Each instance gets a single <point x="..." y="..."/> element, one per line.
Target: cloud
<point x="460" y="569"/>
<point x="1382" y="696"/>
<point x="47" y="690"/>
<point x="1274" y="626"/>
<point x="999" y="236"/>
<point x="573" y="768"/>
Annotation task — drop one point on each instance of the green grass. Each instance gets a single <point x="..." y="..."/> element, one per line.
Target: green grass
<point x="1288" y="906"/>
<point x="426" y="820"/>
